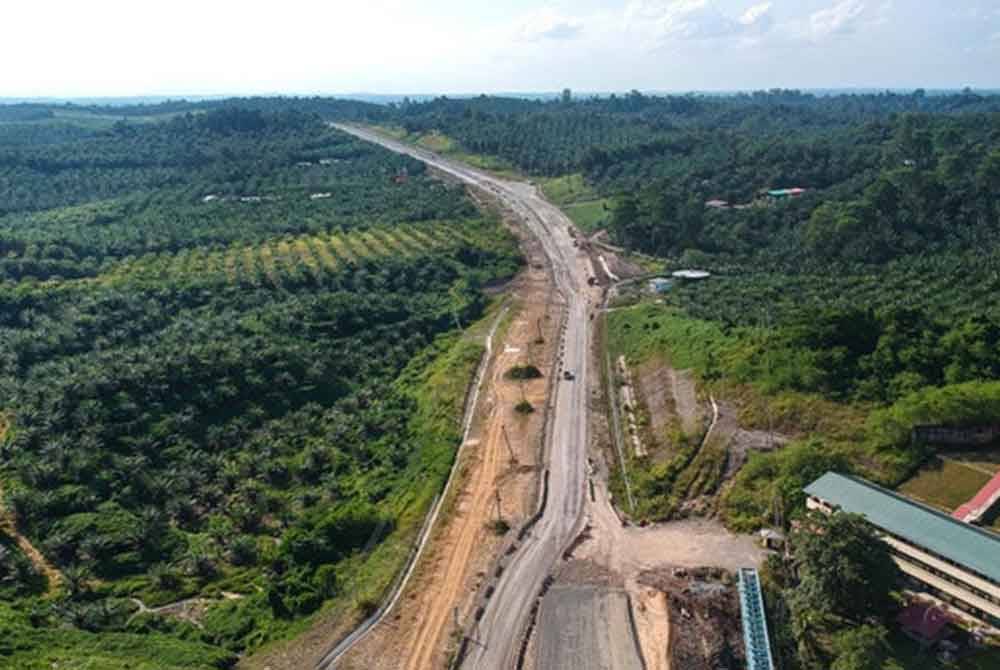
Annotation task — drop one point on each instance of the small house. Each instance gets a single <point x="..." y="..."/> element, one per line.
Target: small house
<point x="924" y="623"/>
<point x="691" y="275"/>
<point x="660" y="285"/>
<point x="785" y="193"/>
<point x="772" y="539"/>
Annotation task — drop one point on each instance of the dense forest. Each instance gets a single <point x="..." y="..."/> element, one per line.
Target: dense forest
<point x="221" y="330"/>
<point x="879" y="279"/>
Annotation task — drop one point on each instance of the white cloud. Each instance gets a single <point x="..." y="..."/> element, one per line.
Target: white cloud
<point x="758" y="15"/>
<point x="662" y="22"/>
<point x="547" y="24"/>
<point x="840" y="19"/>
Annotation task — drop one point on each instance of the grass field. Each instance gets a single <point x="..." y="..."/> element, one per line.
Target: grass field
<point x="568" y="189"/>
<point x="945" y="484"/>
<point x="987" y="460"/>
<point x="578" y="199"/>
<point x="589" y="216"/>
<point x="446" y="146"/>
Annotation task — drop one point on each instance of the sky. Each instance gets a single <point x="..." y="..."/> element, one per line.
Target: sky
<point x="67" y="48"/>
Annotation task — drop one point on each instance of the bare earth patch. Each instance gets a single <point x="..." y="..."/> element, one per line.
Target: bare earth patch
<point x="704" y="615"/>
<point x="686" y="404"/>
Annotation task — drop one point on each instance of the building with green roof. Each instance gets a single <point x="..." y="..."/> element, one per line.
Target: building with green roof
<point x="954" y="561"/>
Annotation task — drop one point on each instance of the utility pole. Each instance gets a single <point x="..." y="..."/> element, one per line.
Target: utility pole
<point x="541" y="338"/>
<point x="499" y="508"/>
<point x="510" y="449"/>
<point x="767" y="365"/>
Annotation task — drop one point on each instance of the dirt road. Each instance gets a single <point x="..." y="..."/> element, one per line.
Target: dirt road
<point x="506" y="616"/>
<point x="501" y="457"/>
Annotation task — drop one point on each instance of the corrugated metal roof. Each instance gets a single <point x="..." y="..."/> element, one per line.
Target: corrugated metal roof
<point x="981" y="503"/>
<point x="976" y="549"/>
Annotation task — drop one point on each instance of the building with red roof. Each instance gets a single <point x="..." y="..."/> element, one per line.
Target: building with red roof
<point x="981" y="505"/>
<point x="923" y="622"/>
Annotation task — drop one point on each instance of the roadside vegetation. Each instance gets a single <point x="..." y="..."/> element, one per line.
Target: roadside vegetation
<point x="233" y="373"/>
<point x="807" y="382"/>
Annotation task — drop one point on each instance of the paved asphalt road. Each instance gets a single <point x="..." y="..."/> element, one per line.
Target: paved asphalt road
<point x="506" y="617"/>
<point x="586" y="627"/>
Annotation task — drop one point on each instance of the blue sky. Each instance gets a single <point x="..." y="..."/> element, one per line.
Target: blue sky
<point x="145" y="47"/>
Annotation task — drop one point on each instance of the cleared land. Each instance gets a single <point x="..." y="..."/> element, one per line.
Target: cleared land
<point x="578" y="200"/>
<point x="590" y="215"/>
<point x="702" y="607"/>
<point x="984" y="460"/>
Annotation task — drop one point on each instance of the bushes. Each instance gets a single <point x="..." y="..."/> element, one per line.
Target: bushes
<point x="330" y="535"/>
<point x="968" y="404"/>
<point x="889" y="429"/>
<point x="524" y="372"/>
<point x="18" y="577"/>
<point x="773" y="481"/>
<point x="25" y="646"/>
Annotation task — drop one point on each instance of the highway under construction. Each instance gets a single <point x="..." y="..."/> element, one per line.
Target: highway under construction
<point x="470" y="607"/>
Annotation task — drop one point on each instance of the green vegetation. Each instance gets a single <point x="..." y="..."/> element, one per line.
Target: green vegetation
<point x="820" y="382"/>
<point x="568" y="189"/>
<point x="441" y="143"/>
<point x="522" y="372"/>
<point x="831" y="600"/>
<point x="231" y="366"/>
<point x="945" y="484"/>
<point x="33" y="641"/>
<point x="225" y="325"/>
<point x="589" y="216"/>
<point x="588" y="210"/>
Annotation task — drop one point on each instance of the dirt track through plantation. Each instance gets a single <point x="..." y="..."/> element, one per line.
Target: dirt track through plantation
<point x="8" y="526"/>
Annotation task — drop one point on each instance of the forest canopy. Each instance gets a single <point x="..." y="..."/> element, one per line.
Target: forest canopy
<point x="219" y="324"/>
